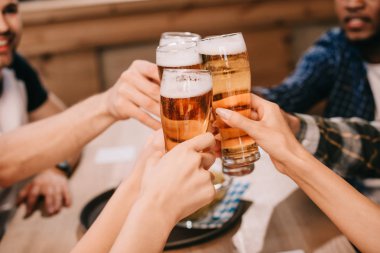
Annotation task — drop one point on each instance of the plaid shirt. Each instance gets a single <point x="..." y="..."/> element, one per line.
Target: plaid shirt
<point x="351" y="147"/>
<point x="332" y="68"/>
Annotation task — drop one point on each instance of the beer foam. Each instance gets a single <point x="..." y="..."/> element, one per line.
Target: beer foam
<point x="178" y="55"/>
<point x="185" y="83"/>
<point x="225" y="44"/>
<point x="170" y="37"/>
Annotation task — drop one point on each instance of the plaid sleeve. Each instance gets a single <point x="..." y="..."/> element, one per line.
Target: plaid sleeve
<point x="348" y="146"/>
<point x="309" y="83"/>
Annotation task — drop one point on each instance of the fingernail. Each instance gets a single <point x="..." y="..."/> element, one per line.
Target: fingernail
<point x="224" y="113"/>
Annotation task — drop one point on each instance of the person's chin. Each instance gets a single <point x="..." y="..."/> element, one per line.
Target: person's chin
<point x="359" y="36"/>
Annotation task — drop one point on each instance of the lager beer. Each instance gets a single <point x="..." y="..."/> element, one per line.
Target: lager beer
<point x="226" y="58"/>
<point x="170" y="37"/>
<point x="181" y="55"/>
<point x="186" y="97"/>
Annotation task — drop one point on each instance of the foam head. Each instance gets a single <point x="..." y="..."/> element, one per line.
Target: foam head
<point x="228" y="44"/>
<point x="178" y="55"/>
<point x="170" y="37"/>
<point x="185" y="83"/>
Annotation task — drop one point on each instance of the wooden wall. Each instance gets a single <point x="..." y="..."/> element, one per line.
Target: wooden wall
<point x="81" y="47"/>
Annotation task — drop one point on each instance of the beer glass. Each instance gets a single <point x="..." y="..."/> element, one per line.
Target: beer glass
<point x="227" y="59"/>
<point x="170" y="37"/>
<point x="186" y="97"/>
<point x="179" y="55"/>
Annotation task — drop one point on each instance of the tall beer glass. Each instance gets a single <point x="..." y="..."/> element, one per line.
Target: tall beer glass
<point x="180" y="55"/>
<point x="186" y="97"/>
<point x="227" y="59"/>
<point x="170" y="37"/>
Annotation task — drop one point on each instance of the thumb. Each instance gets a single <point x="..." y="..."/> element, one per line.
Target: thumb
<point x="236" y="120"/>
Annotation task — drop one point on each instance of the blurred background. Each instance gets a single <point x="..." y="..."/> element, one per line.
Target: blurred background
<point x="80" y="47"/>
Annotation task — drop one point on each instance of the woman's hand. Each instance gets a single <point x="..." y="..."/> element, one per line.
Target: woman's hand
<point x="269" y="129"/>
<point x="173" y="186"/>
<point x="179" y="182"/>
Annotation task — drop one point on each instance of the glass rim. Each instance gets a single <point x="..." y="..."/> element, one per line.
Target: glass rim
<point x="201" y="71"/>
<point x="180" y="34"/>
<point x="170" y="47"/>
<point x="211" y="37"/>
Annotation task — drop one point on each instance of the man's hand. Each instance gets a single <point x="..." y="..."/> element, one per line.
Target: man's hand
<point x="52" y="186"/>
<point x="135" y="93"/>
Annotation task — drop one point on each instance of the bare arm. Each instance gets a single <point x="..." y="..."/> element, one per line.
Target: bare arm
<point x="40" y="145"/>
<point x="356" y="216"/>
<point x="51" y="107"/>
<point x="157" y="194"/>
<point x="117" y="209"/>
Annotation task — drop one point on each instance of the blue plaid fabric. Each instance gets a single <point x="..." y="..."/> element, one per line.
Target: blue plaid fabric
<point x="223" y="211"/>
<point x="331" y="69"/>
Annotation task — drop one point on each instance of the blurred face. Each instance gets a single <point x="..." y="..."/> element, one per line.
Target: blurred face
<point x="360" y="19"/>
<point x="10" y="30"/>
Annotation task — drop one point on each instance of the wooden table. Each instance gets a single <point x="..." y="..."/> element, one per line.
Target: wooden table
<point x="281" y="217"/>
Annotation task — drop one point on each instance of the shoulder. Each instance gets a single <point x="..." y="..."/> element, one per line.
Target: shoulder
<point x="24" y="72"/>
<point x="22" y="68"/>
<point x="334" y="40"/>
<point x="329" y="46"/>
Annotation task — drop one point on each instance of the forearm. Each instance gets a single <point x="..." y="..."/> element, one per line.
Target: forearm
<point x="356" y="216"/>
<point x="102" y="234"/>
<point x="146" y="230"/>
<point x="31" y="148"/>
<point x="51" y="107"/>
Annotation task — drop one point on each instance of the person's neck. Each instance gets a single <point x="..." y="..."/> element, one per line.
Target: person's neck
<point x="370" y="49"/>
<point x="371" y="54"/>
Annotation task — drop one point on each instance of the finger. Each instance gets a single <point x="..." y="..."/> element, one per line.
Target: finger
<point x="67" y="199"/>
<point x="57" y="200"/>
<point x="254" y="115"/>
<point x="148" y="69"/>
<point x="144" y="118"/>
<point x="259" y="104"/>
<point x="155" y="143"/>
<point x="257" y="101"/>
<point x="158" y="140"/>
<point x="147" y="86"/>
<point x="201" y="142"/>
<point x="208" y="160"/>
<point x="144" y="101"/>
<point x="23" y="193"/>
<point x="236" y="120"/>
<point x="48" y="203"/>
<point x="32" y="198"/>
<point x="217" y="148"/>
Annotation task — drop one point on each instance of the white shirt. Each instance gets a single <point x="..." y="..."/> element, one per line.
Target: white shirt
<point x="13" y="102"/>
<point x="373" y="75"/>
<point x="13" y="113"/>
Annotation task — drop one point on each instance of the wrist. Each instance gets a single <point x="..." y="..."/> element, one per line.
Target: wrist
<point x="298" y="161"/>
<point x="106" y="108"/>
<point x="294" y="124"/>
<point x="161" y="215"/>
<point x="65" y="168"/>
